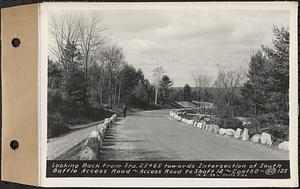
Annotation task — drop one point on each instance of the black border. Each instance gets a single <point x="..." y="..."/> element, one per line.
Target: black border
<point x="11" y="3"/>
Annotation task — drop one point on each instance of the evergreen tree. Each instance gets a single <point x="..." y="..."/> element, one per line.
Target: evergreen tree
<point x="165" y="84"/>
<point x="267" y="90"/>
<point x="187" y="93"/>
<point x="278" y="70"/>
<point x="73" y="76"/>
<point x="253" y="90"/>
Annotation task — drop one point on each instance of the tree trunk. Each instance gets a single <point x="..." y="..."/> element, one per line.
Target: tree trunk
<point x="109" y="93"/>
<point x="85" y="101"/>
<point x="119" y="99"/>
<point x="156" y="93"/>
<point x="115" y="96"/>
<point x="198" y="106"/>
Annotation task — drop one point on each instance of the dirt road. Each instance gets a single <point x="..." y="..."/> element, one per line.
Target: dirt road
<point x="60" y="145"/>
<point x="154" y="135"/>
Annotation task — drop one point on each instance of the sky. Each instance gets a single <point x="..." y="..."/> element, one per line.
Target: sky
<point x="196" y="41"/>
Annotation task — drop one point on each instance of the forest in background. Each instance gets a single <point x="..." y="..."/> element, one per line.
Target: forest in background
<point x="89" y="77"/>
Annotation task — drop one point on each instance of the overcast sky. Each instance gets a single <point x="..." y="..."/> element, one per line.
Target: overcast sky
<point x="195" y="40"/>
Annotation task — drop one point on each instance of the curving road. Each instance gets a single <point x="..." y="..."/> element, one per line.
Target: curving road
<point x="154" y="135"/>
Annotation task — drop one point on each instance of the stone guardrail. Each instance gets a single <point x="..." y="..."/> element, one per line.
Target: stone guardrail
<point x="91" y="147"/>
<point x="263" y="138"/>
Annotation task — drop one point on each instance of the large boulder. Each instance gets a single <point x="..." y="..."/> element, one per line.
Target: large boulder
<point x="255" y="138"/>
<point x="222" y="131"/>
<point x="187" y="121"/>
<point x="199" y="125"/>
<point x="195" y="123"/>
<point x="210" y="128"/>
<point x="190" y="122"/>
<point x="203" y="125"/>
<point x="102" y="132"/>
<point x="94" y="141"/>
<point x="215" y="129"/>
<point x="175" y="116"/>
<point x="284" y="146"/>
<point x="229" y="132"/>
<point x="87" y="153"/>
<point x="99" y="126"/>
<point x="111" y="119"/>
<point x="207" y="126"/>
<point x="115" y="116"/>
<point x="105" y="125"/>
<point x="266" y="138"/>
<point x="245" y="135"/>
<point x="107" y="122"/>
<point x="238" y="133"/>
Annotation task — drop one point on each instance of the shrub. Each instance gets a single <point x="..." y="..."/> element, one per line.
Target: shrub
<point x="279" y="133"/>
<point x="265" y="123"/>
<point x="232" y="123"/>
<point x="56" y="125"/>
<point x="253" y="127"/>
<point x="266" y="120"/>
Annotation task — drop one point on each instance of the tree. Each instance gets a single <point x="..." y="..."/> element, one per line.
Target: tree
<point x="64" y="30"/>
<point x="227" y="82"/>
<point x="278" y="69"/>
<point x="165" y="84"/>
<point x="131" y="77"/>
<point x="227" y="96"/>
<point x="202" y="81"/>
<point x="55" y="90"/>
<point x="266" y="89"/>
<point x="112" y="57"/>
<point x="253" y="89"/>
<point x="73" y="75"/>
<point x="97" y="82"/>
<point x="86" y="32"/>
<point x="157" y="74"/>
<point x="139" y="95"/>
<point x="186" y="93"/>
<point x="91" y="39"/>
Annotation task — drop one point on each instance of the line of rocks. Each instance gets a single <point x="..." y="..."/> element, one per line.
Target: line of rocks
<point x="91" y="147"/>
<point x="263" y="138"/>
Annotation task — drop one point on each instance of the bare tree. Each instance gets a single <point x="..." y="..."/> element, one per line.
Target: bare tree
<point x="119" y="81"/>
<point x="157" y="74"/>
<point x="85" y="31"/>
<point x="91" y="32"/>
<point x="64" y="30"/>
<point x="97" y="79"/>
<point x="112" y="57"/>
<point x="201" y="82"/>
<point x="229" y="79"/>
<point x="227" y="82"/>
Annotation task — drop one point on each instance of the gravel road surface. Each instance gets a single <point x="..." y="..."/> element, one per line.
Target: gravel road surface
<point x="154" y="135"/>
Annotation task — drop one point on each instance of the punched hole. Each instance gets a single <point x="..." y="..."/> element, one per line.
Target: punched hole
<point x="14" y="144"/>
<point x="16" y="42"/>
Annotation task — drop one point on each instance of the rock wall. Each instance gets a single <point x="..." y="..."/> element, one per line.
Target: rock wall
<point x="91" y="147"/>
<point x="263" y="138"/>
